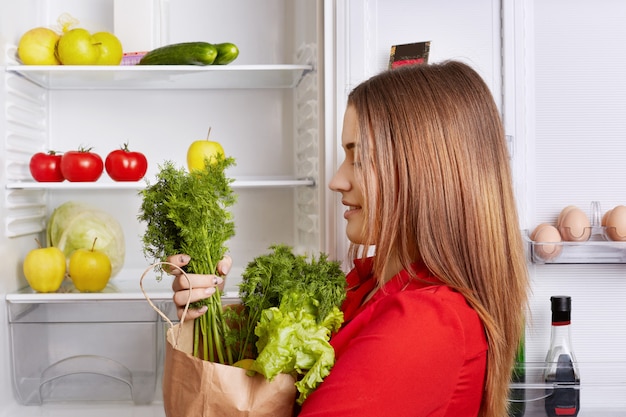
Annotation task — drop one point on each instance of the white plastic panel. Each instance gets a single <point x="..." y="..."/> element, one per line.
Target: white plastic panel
<point x="26" y="133"/>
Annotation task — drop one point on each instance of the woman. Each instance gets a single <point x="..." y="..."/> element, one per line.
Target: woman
<point x="432" y="321"/>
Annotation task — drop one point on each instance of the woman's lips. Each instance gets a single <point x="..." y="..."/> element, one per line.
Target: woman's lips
<point x="351" y="211"/>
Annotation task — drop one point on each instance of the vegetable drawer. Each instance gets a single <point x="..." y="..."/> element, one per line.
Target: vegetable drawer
<point x="93" y="350"/>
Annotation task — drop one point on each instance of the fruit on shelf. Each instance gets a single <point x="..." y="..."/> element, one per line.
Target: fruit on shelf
<point x="89" y="269"/>
<point x="81" y="165"/>
<point x="227" y="52"/>
<point x="37" y="47"/>
<point x="44" y="269"/>
<point x="126" y="165"/>
<point x="185" y="53"/>
<point x="111" y="52"/>
<point x="202" y="151"/>
<point x="80" y="47"/>
<point x="46" y="167"/>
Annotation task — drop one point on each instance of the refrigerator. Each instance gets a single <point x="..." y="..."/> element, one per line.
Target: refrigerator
<point x="555" y="68"/>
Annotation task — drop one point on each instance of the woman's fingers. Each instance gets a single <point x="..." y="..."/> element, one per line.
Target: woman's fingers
<point x="191" y="313"/>
<point x="197" y="294"/>
<point x="202" y="286"/>
<point x="196" y="281"/>
<point x="179" y="260"/>
<point x="224" y="265"/>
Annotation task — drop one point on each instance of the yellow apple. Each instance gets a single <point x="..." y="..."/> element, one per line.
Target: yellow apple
<point x="44" y="269"/>
<point x="78" y="47"/>
<point x="38" y="46"/>
<point x="201" y="151"/>
<point x="247" y="365"/>
<point x="90" y="270"/>
<point x="111" y="52"/>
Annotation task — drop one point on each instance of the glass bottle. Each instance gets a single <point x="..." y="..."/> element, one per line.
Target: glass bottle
<point x="517" y="406"/>
<point x="561" y="368"/>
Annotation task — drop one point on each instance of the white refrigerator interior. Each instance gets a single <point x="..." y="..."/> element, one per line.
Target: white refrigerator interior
<point x="97" y="354"/>
<point x="555" y="68"/>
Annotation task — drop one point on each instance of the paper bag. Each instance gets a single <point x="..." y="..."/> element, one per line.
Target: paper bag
<point x="193" y="387"/>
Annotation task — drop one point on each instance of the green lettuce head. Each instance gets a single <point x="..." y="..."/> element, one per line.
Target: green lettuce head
<point x="75" y="225"/>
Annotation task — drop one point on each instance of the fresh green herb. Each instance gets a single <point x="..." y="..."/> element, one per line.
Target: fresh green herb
<point x="290" y="307"/>
<point x="188" y="213"/>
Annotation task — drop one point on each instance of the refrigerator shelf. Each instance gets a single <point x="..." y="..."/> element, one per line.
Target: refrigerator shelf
<point x="166" y="77"/>
<point x="123" y="287"/>
<point x="241" y="182"/>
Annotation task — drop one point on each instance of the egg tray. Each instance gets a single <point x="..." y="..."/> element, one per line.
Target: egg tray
<point x="598" y="249"/>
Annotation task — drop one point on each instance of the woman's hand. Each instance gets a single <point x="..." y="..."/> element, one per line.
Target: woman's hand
<point x="202" y="286"/>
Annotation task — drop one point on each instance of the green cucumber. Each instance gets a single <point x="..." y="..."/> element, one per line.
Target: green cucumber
<point x="226" y="53"/>
<point x="186" y="53"/>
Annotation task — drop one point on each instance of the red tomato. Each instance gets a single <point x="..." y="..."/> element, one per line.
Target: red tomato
<point x="46" y="167"/>
<point x="124" y="165"/>
<point x="81" y="166"/>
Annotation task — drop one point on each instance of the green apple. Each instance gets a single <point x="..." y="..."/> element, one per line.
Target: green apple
<point x="202" y="150"/>
<point x="90" y="269"/>
<point x="111" y="52"/>
<point x="38" y="46"/>
<point x="78" y="47"/>
<point x="44" y="269"/>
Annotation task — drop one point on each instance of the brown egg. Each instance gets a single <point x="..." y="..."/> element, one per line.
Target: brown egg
<point x="606" y="216"/>
<point x="562" y="215"/>
<point x="574" y="225"/>
<point x="547" y="241"/>
<point x="616" y="223"/>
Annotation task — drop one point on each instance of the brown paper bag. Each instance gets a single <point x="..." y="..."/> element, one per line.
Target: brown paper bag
<point x="193" y="387"/>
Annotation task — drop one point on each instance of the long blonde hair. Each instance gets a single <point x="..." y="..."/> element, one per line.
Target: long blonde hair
<point x="437" y="185"/>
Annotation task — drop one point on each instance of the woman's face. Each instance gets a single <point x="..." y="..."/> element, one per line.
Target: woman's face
<point x="344" y="180"/>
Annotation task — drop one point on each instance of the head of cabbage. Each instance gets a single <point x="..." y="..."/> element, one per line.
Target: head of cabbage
<point x="75" y="225"/>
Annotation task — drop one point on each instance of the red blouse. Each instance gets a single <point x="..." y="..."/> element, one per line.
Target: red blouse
<point x="416" y="348"/>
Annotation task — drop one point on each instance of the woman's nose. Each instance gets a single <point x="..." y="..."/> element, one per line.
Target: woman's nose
<point x="339" y="182"/>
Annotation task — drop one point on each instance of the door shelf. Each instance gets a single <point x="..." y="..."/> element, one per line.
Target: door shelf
<point x="598" y="393"/>
<point x="596" y="251"/>
<point x="161" y="77"/>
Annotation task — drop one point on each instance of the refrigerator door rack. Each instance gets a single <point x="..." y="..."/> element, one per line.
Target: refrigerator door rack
<point x="598" y="249"/>
<point x="597" y="379"/>
<point x="589" y="252"/>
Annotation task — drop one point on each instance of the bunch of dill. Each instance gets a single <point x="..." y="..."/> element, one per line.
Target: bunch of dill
<point x="188" y="213"/>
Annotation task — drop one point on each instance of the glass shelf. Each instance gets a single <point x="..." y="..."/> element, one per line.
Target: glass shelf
<point x="166" y="77"/>
<point x="125" y="286"/>
<point x="239" y="183"/>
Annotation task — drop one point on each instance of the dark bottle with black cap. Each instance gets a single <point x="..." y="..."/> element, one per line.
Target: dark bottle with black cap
<point x="561" y="370"/>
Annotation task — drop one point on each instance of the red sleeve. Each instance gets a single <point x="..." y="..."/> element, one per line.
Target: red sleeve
<point x="403" y="357"/>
